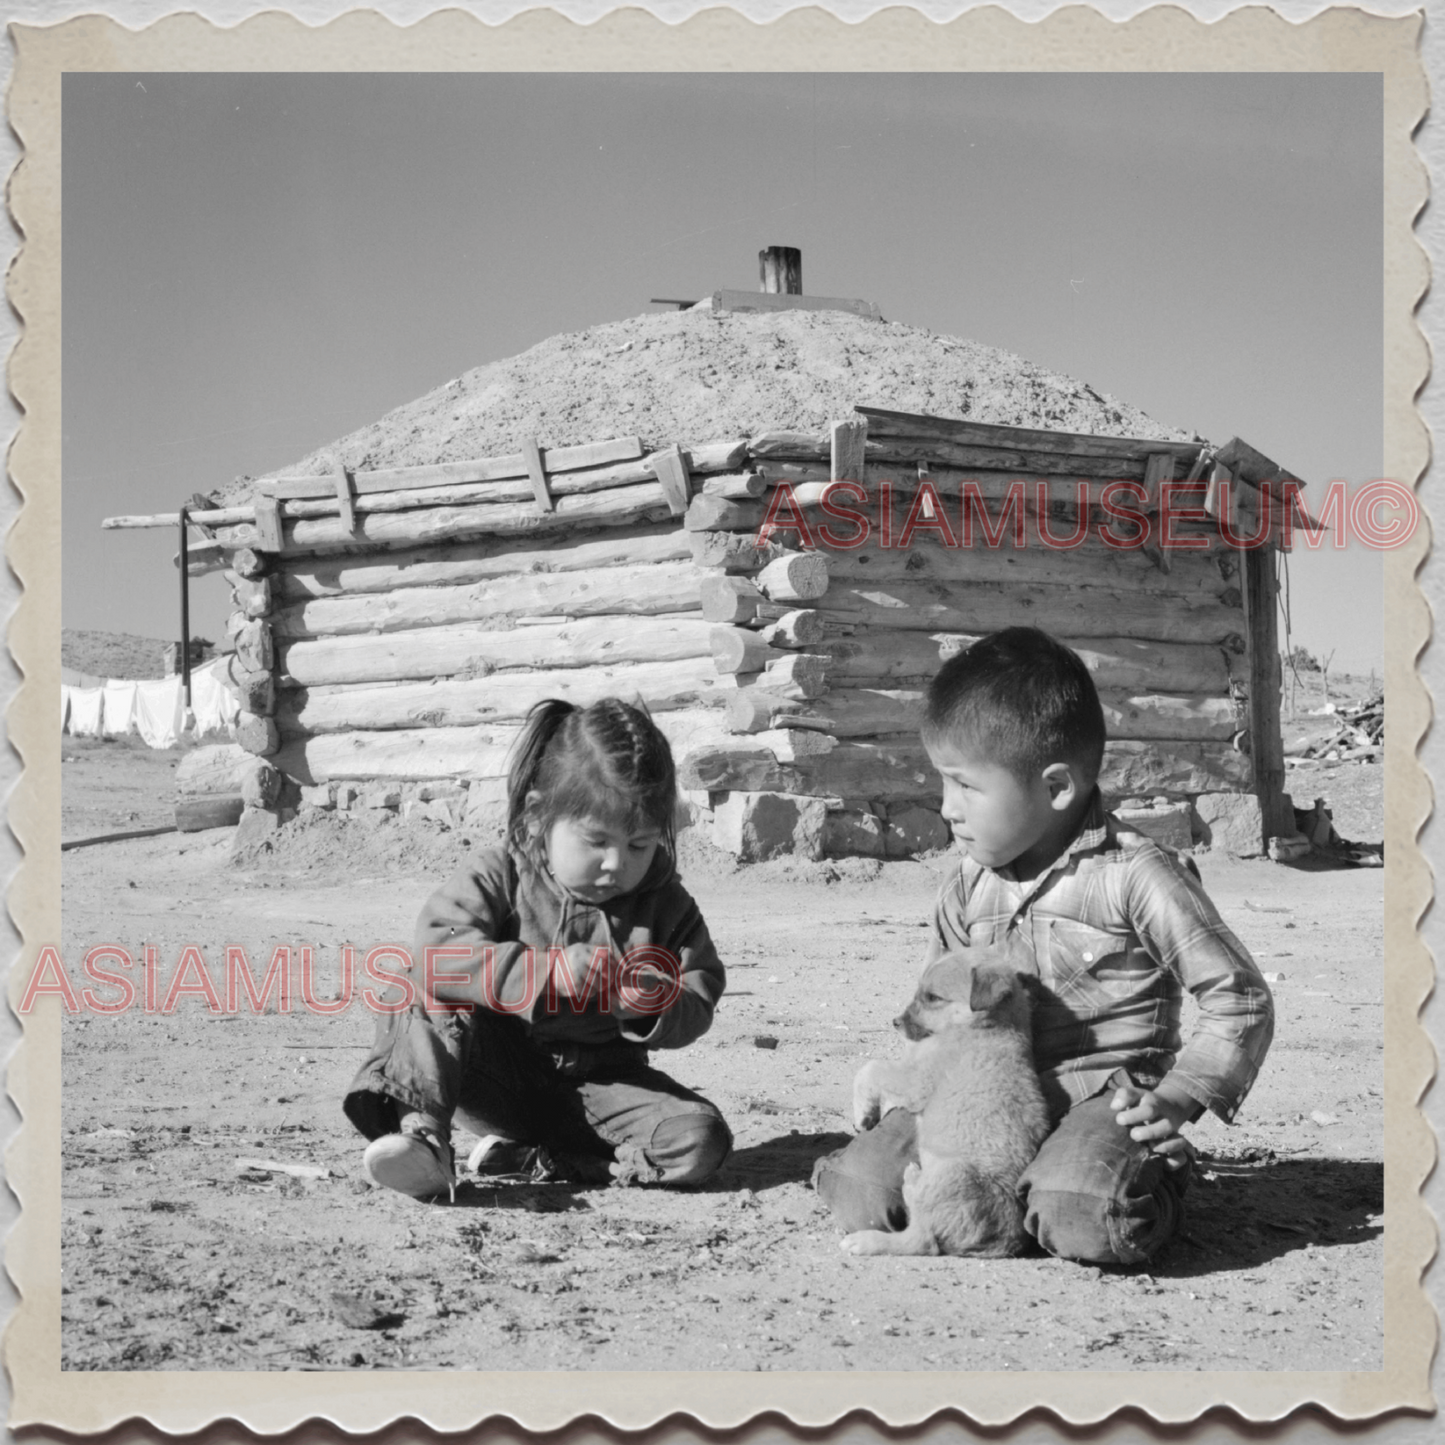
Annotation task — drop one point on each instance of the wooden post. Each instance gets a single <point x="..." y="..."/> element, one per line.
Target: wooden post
<point x="1265" y="744"/>
<point x="343" y="498"/>
<point x="268" y="524"/>
<point x="541" y="492"/>
<point x="672" y="473"/>
<point x="849" y="439"/>
<point x="780" y="269"/>
<point x="185" y="614"/>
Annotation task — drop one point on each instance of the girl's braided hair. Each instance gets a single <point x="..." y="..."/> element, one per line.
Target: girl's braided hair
<point x="607" y="761"/>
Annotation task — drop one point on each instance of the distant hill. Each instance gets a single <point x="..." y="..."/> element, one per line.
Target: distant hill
<point x="112" y="654"/>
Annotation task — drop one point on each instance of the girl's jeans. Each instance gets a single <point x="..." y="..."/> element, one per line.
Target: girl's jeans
<point x="589" y="1105"/>
<point x="1091" y="1194"/>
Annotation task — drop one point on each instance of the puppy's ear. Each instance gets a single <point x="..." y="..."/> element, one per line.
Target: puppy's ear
<point x="989" y="988"/>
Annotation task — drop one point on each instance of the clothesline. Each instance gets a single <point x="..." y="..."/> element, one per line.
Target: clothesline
<point x="155" y="709"/>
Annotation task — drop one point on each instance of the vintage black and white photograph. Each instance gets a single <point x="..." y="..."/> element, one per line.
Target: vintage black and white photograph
<point x="723" y="721"/>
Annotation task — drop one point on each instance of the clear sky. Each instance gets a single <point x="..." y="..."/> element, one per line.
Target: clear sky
<point x="257" y="264"/>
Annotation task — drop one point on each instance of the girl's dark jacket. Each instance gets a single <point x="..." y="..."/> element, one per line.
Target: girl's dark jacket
<point x="507" y="902"/>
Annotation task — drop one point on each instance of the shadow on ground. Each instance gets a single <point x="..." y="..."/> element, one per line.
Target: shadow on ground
<point x="788" y="1159"/>
<point x="1254" y="1210"/>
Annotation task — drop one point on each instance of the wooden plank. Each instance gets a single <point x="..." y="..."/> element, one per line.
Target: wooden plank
<point x="485" y="469"/>
<point x="537" y="474"/>
<point x="1158" y="469"/>
<point x="465" y="650"/>
<point x="848" y="444"/>
<point x="1220" y="498"/>
<point x="345" y="510"/>
<point x="1254" y="467"/>
<point x="908" y="424"/>
<point x="764" y="301"/>
<point x="672" y="473"/>
<point x="647" y="590"/>
<point x="267" y="527"/>
<point x="1261" y="612"/>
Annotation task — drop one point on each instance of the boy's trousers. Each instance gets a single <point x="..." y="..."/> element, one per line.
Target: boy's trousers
<point x="588" y="1104"/>
<point x="1092" y="1193"/>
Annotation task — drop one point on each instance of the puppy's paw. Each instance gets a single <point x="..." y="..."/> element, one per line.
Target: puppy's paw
<point x="864" y="1241"/>
<point x="867" y="1100"/>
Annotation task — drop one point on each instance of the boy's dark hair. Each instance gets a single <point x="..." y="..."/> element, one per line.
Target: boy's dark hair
<point x="608" y="761"/>
<point x="1024" y="698"/>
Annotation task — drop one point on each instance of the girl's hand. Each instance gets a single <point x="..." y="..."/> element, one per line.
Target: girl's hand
<point x="1155" y="1117"/>
<point x="588" y="968"/>
<point x="643" y="988"/>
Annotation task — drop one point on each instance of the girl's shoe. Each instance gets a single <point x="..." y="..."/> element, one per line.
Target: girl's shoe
<point x="417" y="1162"/>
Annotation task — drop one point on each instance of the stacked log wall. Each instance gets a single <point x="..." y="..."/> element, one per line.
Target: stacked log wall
<point x="400" y="640"/>
<point x="1165" y="641"/>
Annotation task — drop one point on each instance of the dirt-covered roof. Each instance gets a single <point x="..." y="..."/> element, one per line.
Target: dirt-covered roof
<point x="695" y="376"/>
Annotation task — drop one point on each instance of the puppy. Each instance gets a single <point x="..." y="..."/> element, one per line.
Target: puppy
<point x="969" y="1077"/>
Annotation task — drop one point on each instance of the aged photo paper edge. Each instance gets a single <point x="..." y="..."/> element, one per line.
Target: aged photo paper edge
<point x="1164" y="38"/>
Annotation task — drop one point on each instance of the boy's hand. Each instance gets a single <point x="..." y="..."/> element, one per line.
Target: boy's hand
<point x="1155" y="1117"/>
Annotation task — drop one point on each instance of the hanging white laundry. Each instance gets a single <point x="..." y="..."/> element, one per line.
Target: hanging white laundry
<point x="64" y="708"/>
<point x="212" y="702"/>
<point x="118" y="709"/>
<point x="85" y="705"/>
<point x="158" y="711"/>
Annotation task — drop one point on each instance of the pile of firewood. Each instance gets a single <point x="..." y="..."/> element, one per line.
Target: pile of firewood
<point x="1354" y="732"/>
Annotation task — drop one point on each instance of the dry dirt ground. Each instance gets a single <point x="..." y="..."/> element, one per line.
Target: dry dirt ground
<point x="172" y="1260"/>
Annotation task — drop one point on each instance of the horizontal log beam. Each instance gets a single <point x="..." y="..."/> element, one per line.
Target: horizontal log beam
<point x="465" y="650"/>
<point x="639" y="591"/>
<point x="502" y="698"/>
<point x="1123" y="664"/>
<point x="899" y="770"/>
<point x="428" y="754"/>
<point x="456" y="564"/>
<point x="1091" y="565"/>
<point x="1065" y="611"/>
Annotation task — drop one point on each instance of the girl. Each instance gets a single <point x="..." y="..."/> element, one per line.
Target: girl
<point x="557" y="961"/>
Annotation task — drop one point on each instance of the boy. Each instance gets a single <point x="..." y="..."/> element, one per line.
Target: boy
<point x="1110" y="928"/>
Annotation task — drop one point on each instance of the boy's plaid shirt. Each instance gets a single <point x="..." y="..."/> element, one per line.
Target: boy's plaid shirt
<point x="1115" y="930"/>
